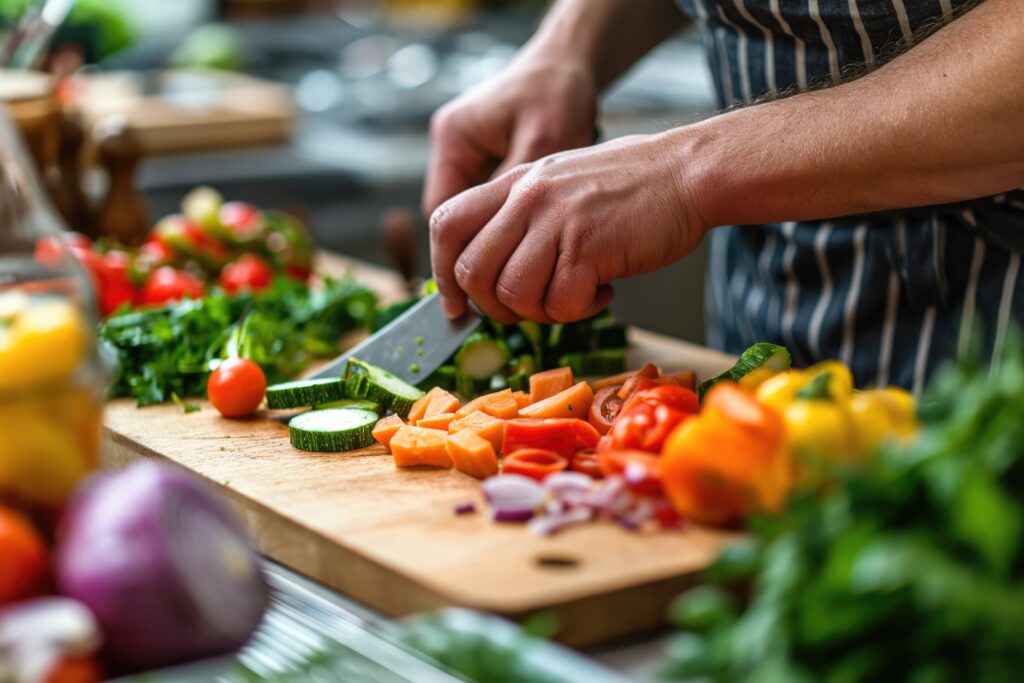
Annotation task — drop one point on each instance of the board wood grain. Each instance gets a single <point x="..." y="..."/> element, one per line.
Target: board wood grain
<point x="389" y="537"/>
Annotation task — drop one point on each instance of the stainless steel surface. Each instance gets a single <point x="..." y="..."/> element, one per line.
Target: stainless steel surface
<point x="396" y="347"/>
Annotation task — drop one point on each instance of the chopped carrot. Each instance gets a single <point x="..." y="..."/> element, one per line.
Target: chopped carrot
<point x="386" y="428"/>
<point x="548" y="383"/>
<point x="481" y="424"/>
<point x="442" y="402"/>
<point x="472" y="454"/>
<point x="649" y="370"/>
<point x="685" y="378"/>
<point x="522" y="398"/>
<point x="573" y="402"/>
<point x="500" y="404"/>
<point x="419" y="408"/>
<point x="439" y="421"/>
<point x="413" y="446"/>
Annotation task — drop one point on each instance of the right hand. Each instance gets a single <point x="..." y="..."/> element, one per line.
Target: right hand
<point x="536" y="107"/>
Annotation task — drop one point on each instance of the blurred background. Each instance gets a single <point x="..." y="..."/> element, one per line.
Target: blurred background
<point x="318" y="107"/>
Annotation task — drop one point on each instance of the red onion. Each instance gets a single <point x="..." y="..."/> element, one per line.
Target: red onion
<point x="561" y="482"/>
<point x="512" y="514"/>
<point x="167" y="571"/>
<point x="513" y="490"/>
<point x="466" y="507"/>
<point x="552" y="524"/>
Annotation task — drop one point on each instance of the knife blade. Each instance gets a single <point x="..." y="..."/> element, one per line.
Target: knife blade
<point x="412" y="345"/>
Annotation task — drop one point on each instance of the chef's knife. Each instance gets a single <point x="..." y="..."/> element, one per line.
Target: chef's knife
<point x="412" y="345"/>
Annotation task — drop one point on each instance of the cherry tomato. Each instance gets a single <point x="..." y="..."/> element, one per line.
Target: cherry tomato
<point x="115" y="287"/>
<point x="650" y="415"/>
<point x="638" y="468"/>
<point x="50" y="250"/>
<point x="170" y="284"/>
<point x="605" y="408"/>
<point x="154" y="252"/>
<point x="248" y="272"/>
<point x="586" y="461"/>
<point x="241" y="218"/>
<point x="236" y="387"/>
<point x="535" y="463"/>
<point x="649" y="370"/>
<point x="183" y="235"/>
<point x="23" y="558"/>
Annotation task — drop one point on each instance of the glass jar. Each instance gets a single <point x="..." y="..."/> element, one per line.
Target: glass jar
<point x="51" y="376"/>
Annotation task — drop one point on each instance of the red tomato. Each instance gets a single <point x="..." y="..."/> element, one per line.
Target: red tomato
<point x="50" y="250"/>
<point x="23" y="567"/>
<point x="535" y="463"/>
<point x="248" y="272"/>
<point x="586" y="461"/>
<point x="638" y="468"/>
<point x="181" y="234"/>
<point x="236" y="387"/>
<point x="156" y="252"/>
<point x="241" y="218"/>
<point x="170" y="284"/>
<point x="115" y="287"/>
<point x="605" y="408"/>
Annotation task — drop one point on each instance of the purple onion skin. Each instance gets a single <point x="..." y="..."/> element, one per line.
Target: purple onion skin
<point x="115" y="554"/>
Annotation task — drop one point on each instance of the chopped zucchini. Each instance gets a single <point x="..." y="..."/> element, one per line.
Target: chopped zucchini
<point x="519" y="373"/>
<point x="352" y="403"/>
<point x="610" y="337"/>
<point x="590" y="363"/>
<point x="363" y="380"/>
<point x="303" y="393"/>
<point x="443" y="377"/>
<point x="481" y="356"/>
<point x="761" y="355"/>
<point x="333" y="430"/>
<point x="468" y="387"/>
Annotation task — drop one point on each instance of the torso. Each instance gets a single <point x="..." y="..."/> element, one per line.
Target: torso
<point x="893" y="295"/>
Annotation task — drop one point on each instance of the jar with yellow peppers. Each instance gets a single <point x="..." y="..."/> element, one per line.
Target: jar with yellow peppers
<point x="51" y="377"/>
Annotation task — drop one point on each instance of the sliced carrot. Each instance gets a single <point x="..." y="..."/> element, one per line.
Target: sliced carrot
<point x="419" y="408"/>
<point x="472" y="454"/>
<point x="573" y="402"/>
<point x="684" y="378"/>
<point x="443" y="402"/>
<point x="548" y="383"/>
<point x="439" y="421"/>
<point x="386" y="428"/>
<point x="649" y="370"/>
<point x="500" y="404"/>
<point x="480" y="423"/>
<point x="413" y="446"/>
<point x="522" y="398"/>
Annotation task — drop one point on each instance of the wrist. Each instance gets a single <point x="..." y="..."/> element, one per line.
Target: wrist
<point x="694" y="176"/>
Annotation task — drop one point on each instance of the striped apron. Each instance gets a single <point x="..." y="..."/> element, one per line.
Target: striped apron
<point x="891" y="295"/>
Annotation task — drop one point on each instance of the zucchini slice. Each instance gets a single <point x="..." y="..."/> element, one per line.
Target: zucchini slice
<point x="303" y="393"/>
<point x="369" y="382"/>
<point x="352" y="403"/>
<point x="592" y="363"/>
<point x="761" y="355"/>
<point x="333" y="430"/>
<point x="481" y="356"/>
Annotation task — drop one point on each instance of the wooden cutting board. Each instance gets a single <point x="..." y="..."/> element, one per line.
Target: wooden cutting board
<point x="390" y="538"/>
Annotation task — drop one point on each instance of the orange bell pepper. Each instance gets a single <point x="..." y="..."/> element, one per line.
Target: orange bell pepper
<point x="728" y="462"/>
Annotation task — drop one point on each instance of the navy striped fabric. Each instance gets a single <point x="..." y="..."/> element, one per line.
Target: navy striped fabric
<point x="892" y="295"/>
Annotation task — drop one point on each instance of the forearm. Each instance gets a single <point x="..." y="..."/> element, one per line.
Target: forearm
<point x="942" y="123"/>
<point x="605" y="36"/>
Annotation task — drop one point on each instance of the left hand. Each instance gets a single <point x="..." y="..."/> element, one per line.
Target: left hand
<point x="545" y="240"/>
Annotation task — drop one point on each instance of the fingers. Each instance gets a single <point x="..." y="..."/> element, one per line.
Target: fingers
<point x="531" y="142"/>
<point x="523" y="281"/>
<point x="575" y="292"/>
<point x="453" y="226"/>
<point x="456" y="164"/>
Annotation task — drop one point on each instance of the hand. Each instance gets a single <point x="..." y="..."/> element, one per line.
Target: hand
<point x="545" y="240"/>
<point x="537" y="106"/>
